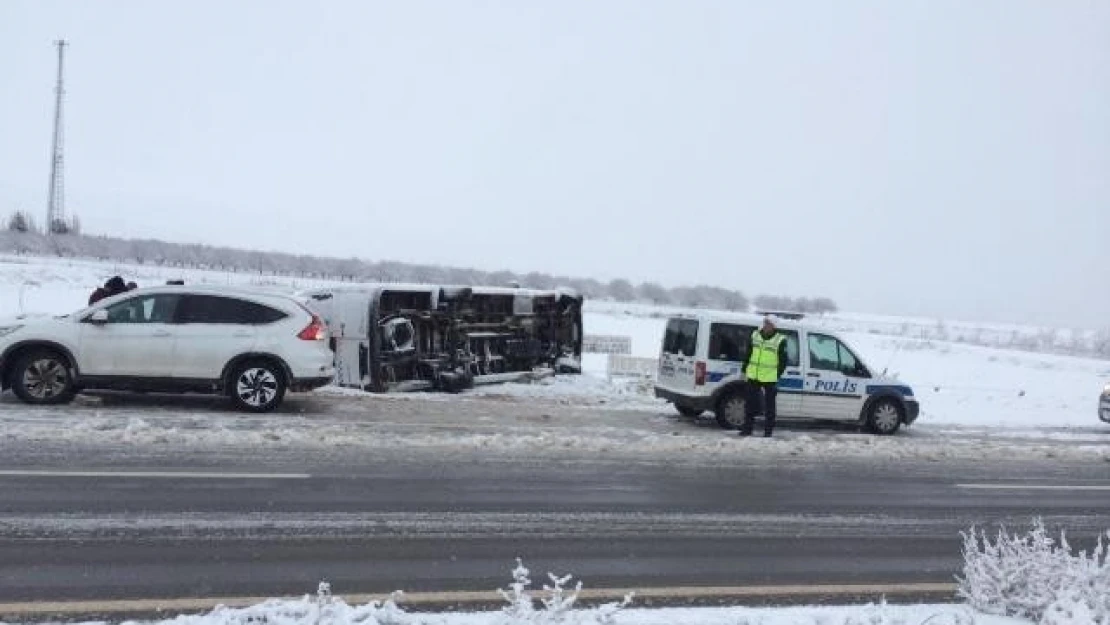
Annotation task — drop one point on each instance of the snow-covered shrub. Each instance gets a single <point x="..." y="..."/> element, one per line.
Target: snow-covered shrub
<point x="557" y="605"/>
<point x="1037" y="577"/>
<point x="521" y="605"/>
<point x="323" y="609"/>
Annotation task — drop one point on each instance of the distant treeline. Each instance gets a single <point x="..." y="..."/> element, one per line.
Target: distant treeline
<point x="149" y="251"/>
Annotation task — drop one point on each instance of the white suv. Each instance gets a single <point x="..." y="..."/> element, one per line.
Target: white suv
<point x="250" y="345"/>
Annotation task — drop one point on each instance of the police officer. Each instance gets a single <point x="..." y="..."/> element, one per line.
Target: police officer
<point x="766" y="360"/>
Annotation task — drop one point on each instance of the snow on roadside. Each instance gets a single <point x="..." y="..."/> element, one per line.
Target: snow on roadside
<point x="583" y="390"/>
<point x="558" y="603"/>
<point x="491" y="427"/>
<point x="309" y="612"/>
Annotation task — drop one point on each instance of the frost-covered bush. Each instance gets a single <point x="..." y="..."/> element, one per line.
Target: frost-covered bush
<point x="323" y="609"/>
<point x="1037" y="577"/>
<point x="556" y="605"/>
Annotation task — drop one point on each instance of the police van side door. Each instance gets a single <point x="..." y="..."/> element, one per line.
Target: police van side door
<point x="788" y="402"/>
<point x="676" y="360"/>
<point x="834" y="386"/>
<point x="728" y="342"/>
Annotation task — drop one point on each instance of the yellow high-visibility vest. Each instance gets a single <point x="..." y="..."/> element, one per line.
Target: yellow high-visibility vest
<point x="764" y="364"/>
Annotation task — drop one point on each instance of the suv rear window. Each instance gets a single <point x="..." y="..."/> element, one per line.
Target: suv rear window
<point x="681" y="337"/>
<point x="729" y="342"/>
<point x="225" y="310"/>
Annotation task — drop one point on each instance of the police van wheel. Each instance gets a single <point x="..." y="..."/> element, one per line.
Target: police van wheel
<point x="688" y="411"/>
<point x="885" y="417"/>
<point x="730" y="411"/>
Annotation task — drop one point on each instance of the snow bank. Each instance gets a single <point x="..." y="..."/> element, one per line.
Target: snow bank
<point x="311" y="612"/>
<point x="581" y="390"/>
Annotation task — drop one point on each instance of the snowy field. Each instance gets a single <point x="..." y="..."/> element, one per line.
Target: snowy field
<point x="960" y="385"/>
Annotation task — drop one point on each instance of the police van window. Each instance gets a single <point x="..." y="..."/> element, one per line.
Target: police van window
<point x="829" y="354"/>
<point x="729" y="342"/>
<point x="848" y="361"/>
<point x="793" y="350"/>
<point x="823" y="353"/>
<point x="681" y="337"/>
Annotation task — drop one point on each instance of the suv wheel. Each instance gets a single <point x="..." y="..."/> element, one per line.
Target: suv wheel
<point x="43" y="377"/>
<point x="885" y="417"/>
<point x="730" y="410"/>
<point x="688" y="411"/>
<point x="257" y="386"/>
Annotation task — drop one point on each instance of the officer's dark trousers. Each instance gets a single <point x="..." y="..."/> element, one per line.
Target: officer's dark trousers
<point x="761" y="400"/>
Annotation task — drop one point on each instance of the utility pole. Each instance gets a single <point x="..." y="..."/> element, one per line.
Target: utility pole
<point x="56" y="204"/>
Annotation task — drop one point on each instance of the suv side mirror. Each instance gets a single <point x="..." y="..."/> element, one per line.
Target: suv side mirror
<point x="99" y="317"/>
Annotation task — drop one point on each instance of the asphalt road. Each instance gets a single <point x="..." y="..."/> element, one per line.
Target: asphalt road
<point x="79" y="522"/>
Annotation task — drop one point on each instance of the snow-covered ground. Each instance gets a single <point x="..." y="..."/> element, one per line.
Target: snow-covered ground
<point x="959" y="385"/>
<point x="309" y="611"/>
<point x="506" y="425"/>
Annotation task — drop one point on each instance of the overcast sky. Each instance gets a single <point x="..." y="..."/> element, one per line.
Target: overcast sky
<point x="918" y="157"/>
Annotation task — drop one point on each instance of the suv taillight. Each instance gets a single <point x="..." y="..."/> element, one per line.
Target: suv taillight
<point x="699" y="373"/>
<point x="315" y="331"/>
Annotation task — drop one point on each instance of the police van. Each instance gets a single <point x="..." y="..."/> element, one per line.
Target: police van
<point x="700" y="370"/>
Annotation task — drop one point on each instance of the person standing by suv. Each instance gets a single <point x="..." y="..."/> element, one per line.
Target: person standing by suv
<point x="111" y="288"/>
<point x="765" y="362"/>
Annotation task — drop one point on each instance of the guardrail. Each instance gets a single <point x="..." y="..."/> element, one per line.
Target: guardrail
<point x="620" y="366"/>
<point x="606" y="344"/>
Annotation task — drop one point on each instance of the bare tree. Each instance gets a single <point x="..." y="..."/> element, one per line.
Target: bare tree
<point x="501" y="278"/>
<point x="587" y="287"/>
<point x="21" y="222"/>
<point x="735" y="300"/>
<point x="536" y="280"/>
<point x="689" y="297"/>
<point x="824" y="305"/>
<point x="773" y="302"/>
<point x="653" y="293"/>
<point x="622" y="290"/>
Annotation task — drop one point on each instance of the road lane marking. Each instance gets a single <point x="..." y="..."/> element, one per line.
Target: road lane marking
<point x="1060" y="487"/>
<point x="125" y="606"/>
<point x="192" y="475"/>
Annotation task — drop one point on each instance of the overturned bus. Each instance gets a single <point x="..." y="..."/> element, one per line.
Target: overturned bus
<point x="390" y="337"/>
